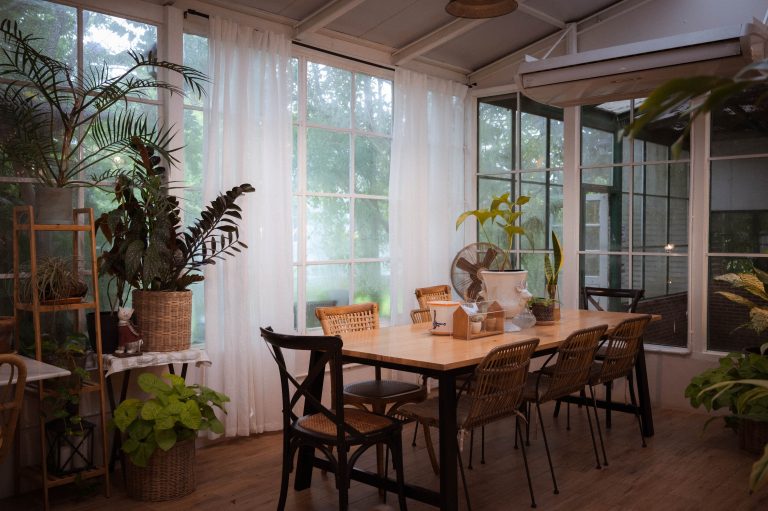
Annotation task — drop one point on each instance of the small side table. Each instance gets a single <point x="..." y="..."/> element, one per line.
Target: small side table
<point x="114" y="365"/>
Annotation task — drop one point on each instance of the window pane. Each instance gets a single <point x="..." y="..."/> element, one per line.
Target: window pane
<point x="371" y="228"/>
<point x="37" y="19"/>
<point x="195" y="56"/>
<point x="739" y="126"/>
<point x="327" y="161"/>
<point x="327" y="286"/>
<point x="660" y="222"/>
<point x="660" y="275"/>
<point x="534" y="218"/>
<point x="373" y="104"/>
<point x="557" y="138"/>
<point x="533" y="141"/>
<point x="495" y="132"/>
<point x="600" y="270"/>
<point x="327" y="228"/>
<point x="329" y="95"/>
<point x="372" y="285"/>
<point x="107" y="39"/>
<point x="607" y="208"/>
<point x="372" y="165"/>
<point x="534" y="263"/>
<point x="739" y="212"/>
<point x="193" y="165"/>
<point x="731" y="328"/>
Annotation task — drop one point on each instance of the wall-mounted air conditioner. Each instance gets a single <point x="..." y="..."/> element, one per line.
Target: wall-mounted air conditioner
<point x="632" y="70"/>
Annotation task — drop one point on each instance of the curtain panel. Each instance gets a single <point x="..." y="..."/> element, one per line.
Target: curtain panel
<point x="426" y="186"/>
<point x="248" y="140"/>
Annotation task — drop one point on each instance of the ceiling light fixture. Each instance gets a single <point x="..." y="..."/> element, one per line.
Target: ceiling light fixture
<point x="480" y="8"/>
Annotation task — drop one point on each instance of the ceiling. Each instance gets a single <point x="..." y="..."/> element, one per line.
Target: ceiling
<point x="412" y="31"/>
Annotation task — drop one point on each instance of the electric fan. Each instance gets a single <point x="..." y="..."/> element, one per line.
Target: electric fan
<point x="466" y="266"/>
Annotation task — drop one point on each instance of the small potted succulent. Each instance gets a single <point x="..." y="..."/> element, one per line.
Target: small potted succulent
<point x="159" y="435"/>
<point x="543" y="309"/>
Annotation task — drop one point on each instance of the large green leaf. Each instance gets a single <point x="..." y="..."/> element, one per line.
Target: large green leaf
<point x="166" y="438"/>
<point x="191" y="417"/>
<point x="759" y="473"/>
<point x="126" y="413"/>
<point x="151" y="384"/>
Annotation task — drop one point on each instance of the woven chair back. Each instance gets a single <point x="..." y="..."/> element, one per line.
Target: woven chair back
<point x="620" y="300"/>
<point x="421" y="316"/>
<point x="11" y="398"/>
<point x="574" y="361"/>
<point x="498" y="382"/>
<point x="427" y="294"/>
<point x="622" y="348"/>
<point x="324" y="350"/>
<point x="348" y="318"/>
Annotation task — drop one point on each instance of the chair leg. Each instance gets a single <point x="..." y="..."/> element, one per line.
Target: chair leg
<point x="592" y="434"/>
<point x="482" y="445"/>
<point x="568" y="416"/>
<point x="396" y="446"/>
<point x="471" y="448"/>
<point x="597" y="420"/>
<point x="519" y="432"/>
<point x="556" y="413"/>
<point x="546" y="447"/>
<point x="463" y="476"/>
<point x="431" y="450"/>
<point x="528" y="424"/>
<point x="284" y="477"/>
<point x="631" y="381"/>
<point x="415" y="431"/>
<point x="608" y="390"/>
<point x="342" y="480"/>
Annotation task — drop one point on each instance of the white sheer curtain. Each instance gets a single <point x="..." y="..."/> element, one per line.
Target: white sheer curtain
<point x="248" y="136"/>
<point x="426" y="185"/>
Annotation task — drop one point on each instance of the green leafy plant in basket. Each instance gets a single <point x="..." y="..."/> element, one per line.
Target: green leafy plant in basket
<point x="174" y="412"/>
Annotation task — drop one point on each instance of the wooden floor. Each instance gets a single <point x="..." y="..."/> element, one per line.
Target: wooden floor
<point x="681" y="469"/>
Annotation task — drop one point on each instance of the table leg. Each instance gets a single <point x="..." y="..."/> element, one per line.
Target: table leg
<point x="644" y="396"/>
<point x="449" y="494"/>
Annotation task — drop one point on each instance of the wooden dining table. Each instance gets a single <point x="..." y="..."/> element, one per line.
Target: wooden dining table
<point x="412" y="348"/>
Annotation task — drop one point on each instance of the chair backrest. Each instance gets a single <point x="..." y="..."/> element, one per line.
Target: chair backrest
<point x="622" y="347"/>
<point x="624" y="300"/>
<point x="421" y="315"/>
<point x="348" y="318"/>
<point x="497" y="384"/>
<point x="11" y="398"/>
<point x="324" y="350"/>
<point x="574" y="361"/>
<point x="426" y="294"/>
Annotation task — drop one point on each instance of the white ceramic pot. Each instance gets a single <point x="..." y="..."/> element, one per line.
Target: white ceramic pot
<point x="442" y="316"/>
<point x="508" y="288"/>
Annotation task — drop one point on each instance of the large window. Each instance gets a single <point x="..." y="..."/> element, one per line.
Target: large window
<point x="342" y="138"/>
<point x="634" y="214"/>
<point x="738" y="223"/>
<point x="525" y="161"/>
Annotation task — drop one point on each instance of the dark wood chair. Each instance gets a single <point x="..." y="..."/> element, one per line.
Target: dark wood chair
<point x="620" y="350"/>
<point x="427" y="294"/>
<point x="350" y="431"/>
<point x="568" y="374"/>
<point x="11" y="399"/>
<point x="493" y="392"/>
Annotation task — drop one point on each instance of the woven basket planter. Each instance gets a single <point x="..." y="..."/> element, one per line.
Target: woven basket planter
<point x="544" y="313"/>
<point x="164" y="319"/>
<point x="753" y="435"/>
<point x="168" y="475"/>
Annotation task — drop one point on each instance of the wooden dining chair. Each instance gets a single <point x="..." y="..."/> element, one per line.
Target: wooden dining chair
<point x="493" y="392"/>
<point x="561" y="376"/>
<point x="11" y="399"/>
<point x="427" y="294"/>
<point x="421" y="316"/>
<point x="620" y="349"/>
<point x="350" y="431"/>
<point x="380" y="395"/>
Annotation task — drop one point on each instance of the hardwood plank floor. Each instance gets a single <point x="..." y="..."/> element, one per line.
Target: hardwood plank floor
<point x="681" y="469"/>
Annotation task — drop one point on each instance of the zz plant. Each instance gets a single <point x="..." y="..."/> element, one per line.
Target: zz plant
<point x="173" y="413"/>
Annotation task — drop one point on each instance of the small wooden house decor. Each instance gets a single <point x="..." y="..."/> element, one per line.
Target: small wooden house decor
<point x="489" y="320"/>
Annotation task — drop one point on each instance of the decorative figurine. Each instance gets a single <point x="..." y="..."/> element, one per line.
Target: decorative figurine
<point x="129" y="339"/>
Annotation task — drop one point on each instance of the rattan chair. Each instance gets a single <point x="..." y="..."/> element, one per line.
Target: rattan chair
<point x="426" y="294"/>
<point x="11" y="399"/>
<point x="568" y="374"/>
<point x="494" y="392"/>
<point x="382" y="396"/>
<point x="349" y="430"/>
<point x="421" y="316"/>
<point x="618" y="361"/>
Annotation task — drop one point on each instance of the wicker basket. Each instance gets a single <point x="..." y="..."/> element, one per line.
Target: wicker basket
<point x="168" y="475"/>
<point x="753" y="435"/>
<point x="164" y="319"/>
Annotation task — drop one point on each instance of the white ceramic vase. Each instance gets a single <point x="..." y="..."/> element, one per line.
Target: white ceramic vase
<point x="508" y="288"/>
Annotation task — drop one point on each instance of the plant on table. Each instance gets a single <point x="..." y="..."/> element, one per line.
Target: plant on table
<point x="174" y="412"/>
<point x="552" y="269"/>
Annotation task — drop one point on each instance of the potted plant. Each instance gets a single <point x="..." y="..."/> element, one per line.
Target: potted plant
<point x="551" y="274"/>
<point x="159" y="435"/>
<point x="151" y="253"/>
<point x="543" y="309"/>
<point x="49" y="112"/>
<point x="56" y="282"/>
<point x="507" y="286"/>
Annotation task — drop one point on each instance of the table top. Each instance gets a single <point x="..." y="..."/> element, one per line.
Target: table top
<point x="114" y="364"/>
<point x="36" y="371"/>
<point x="415" y="346"/>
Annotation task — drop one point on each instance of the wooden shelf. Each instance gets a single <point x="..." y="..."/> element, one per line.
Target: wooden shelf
<point x="34" y="471"/>
<point x="29" y="307"/>
<point x="53" y="227"/>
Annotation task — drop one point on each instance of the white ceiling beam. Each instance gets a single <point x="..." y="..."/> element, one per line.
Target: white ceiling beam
<point x="324" y="16"/>
<point x="543" y="16"/>
<point x="434" y="39"/>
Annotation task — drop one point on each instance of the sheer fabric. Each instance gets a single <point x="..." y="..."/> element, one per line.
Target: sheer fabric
<point x="248" y="137"/>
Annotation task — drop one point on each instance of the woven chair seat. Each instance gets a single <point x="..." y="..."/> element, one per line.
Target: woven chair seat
<point x="364" y="422"/>
<point x="381" y="389"/>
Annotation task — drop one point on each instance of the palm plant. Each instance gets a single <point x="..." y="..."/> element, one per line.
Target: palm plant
<point x="48" y="110"/>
